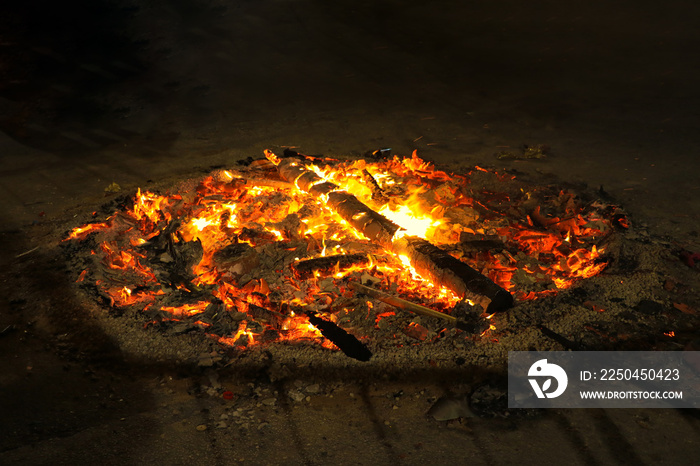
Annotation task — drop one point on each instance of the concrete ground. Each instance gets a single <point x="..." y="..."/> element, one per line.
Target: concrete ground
<point x="137" y="92"/>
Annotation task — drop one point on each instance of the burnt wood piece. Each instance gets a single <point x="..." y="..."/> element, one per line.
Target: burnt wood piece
<point x="429" y="260"/>
<point x="481" y="245"/>
<point x="377" y="192"/>
<point x="240" y="181"/>
<point x="376" y="227"/>
<point x="472" y="327"/>
<point x="434" y="263"/>
<point x="401" y="303"/>
<point x="474" y="242"/>
<point x="237" y="258"/>
<point x="223" y="322"/>
<point x="346" y="342"/>
<point x="328" y="265"/>
<point x="260" y="314"/>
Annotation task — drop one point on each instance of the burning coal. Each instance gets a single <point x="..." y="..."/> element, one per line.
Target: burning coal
<point x="298" y="248"/>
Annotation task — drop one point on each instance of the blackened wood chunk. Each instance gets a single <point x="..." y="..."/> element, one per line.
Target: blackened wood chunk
<point x="480" y="246"/>
<point x="377" y="192"/>
<point x="160" y="243"/>
<point x="256" y="236"/>
<point x="221" y="320"/>
<point x="448" y="271"/>
<point x="565" y="342"/>
<point x="269" y="335"/>
<point x="328" y="265"/>
<point x="347" y="343"/>
<point x="173" y="263"/>
<point x="473" y="242"/>
<point x="290" y="226"/>
<point x="266" y="316"/>
<point x="179" y="328"/>
<point x="237" y="258"/>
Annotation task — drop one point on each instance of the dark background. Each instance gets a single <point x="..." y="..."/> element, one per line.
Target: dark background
<point x="100" y="91"/>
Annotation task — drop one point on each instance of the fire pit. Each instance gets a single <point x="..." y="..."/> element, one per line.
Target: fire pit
<point x="384" y="256"/>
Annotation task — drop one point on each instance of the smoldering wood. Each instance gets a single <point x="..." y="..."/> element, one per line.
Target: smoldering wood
<point x="290" y="226"/>
<point x="245" y="181"/>
<point x="328" y="265"/>
<point x="172" y="260"/>
<point x="237" y="258"/>
<point x="256" y="235"/>
<point x="442" y="268"/>
<point x="260" y="314"/>
<point x="429" y="260"/>
<point x="222" y="321"/>
<point x="474" y="242"/>
<point x="401" y="303"/>
<point x="377" y="192"/>
<point x="291" y="169"/>
<point x="373" y="225"/>
<point x="471" y="324"/>
<point x="294" y="171"/>
<point x="346" y="342"/>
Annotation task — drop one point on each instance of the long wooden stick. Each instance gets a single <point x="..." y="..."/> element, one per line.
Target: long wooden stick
<point x="401" y="303"/>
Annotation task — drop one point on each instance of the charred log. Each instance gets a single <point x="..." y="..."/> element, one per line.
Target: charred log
<point x="373" y="225"/>
<point x="267" y="316"/>
<point x="328" y="265"/>
<point x="377" y="192"/>
<point x="347" y="343"/>
<point x="478" y="243"/>
<point x="442" y="268"/>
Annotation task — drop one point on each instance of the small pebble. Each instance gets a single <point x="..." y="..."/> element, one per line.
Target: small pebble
<point x="313" y="388"/>
<point x="221" y="425"/>
<point x="201" y="427"/>
<point x="269" y="401"/>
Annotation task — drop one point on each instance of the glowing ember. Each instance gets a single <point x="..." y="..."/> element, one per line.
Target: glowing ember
<point x="222" y="257"/>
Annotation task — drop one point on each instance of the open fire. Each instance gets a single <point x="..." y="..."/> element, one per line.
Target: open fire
<point x="299" y="248"/>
